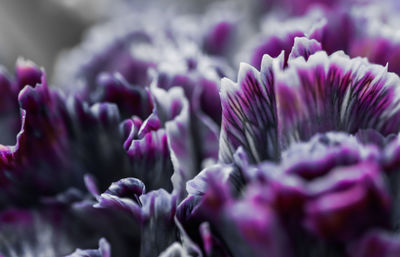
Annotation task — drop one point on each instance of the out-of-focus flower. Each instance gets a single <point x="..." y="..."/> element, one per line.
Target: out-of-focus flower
<point x="134" y="50"/>
<point x="162" y="56"/>
<point x="145" y="219"/>
<point x="62" y="138"/>
<point x="358" y="30"/>
<point x="47" y="157"/>
<point x="304" y="206"/>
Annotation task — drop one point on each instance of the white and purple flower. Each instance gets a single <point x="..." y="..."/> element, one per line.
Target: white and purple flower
<point x="149" y="148"/>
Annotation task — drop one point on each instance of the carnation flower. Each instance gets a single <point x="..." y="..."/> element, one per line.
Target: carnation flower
<point x="47" y="166"/>
<point x="148" y="147"/>
<point x="304" y="206"/>
<point x="266" y="111"/>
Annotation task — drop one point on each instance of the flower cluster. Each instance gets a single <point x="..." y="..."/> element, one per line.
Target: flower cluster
<point x="147" y="143"/>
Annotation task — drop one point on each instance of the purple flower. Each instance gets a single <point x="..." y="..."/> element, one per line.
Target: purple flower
<point x="315" y="185"/>
<point x="43" y="162"/>
<point x="266" y="111"/>
<point x="149" y="148"/>
<point x="304" y="206"/>
<point x="145" y="219"/>
<point x="357" y="29"/>
<point x="167" y="57"/>
<point x="63" y="138"/>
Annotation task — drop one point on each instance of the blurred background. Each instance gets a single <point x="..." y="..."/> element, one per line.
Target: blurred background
<point x="40" y="29"/>
<point x="37" y="30"/>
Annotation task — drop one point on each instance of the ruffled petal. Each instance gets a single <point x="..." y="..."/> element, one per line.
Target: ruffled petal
<point x="131" y="100"/>
<point x="96" y="141"/>
<point x="63" y="138"/>
<point x="159" y="230"/>
<point x="41" y="144"/>
<point x="267" y="111"/>
<point x="361" y="189"/>
<point x="335" y="93"/>
<point x="148" y="153"/>
<point x="173" y="110"/>
<point x="147" y="219"/>
<point x="304" y="47"/>
<point x="249" y="113"/>
<point x="123" y="195"/>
